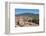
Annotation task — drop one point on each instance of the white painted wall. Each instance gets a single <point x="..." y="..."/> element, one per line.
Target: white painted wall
<point x="2" y="18"/>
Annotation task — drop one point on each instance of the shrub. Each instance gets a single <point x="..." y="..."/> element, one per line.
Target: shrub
<point x="35" y="21"/>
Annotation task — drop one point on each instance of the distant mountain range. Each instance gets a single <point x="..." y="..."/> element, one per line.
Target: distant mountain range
<point x="27" y="14"/>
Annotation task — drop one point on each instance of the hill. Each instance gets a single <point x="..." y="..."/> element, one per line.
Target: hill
<point x="27" y="14"/>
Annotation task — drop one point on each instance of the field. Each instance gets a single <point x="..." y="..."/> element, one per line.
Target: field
<point x="27" y="21"/>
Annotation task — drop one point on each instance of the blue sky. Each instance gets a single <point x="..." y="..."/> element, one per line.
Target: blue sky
<point x="20" y="11"/>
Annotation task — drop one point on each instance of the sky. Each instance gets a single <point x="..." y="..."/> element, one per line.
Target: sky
<point x="20" y="11"/>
